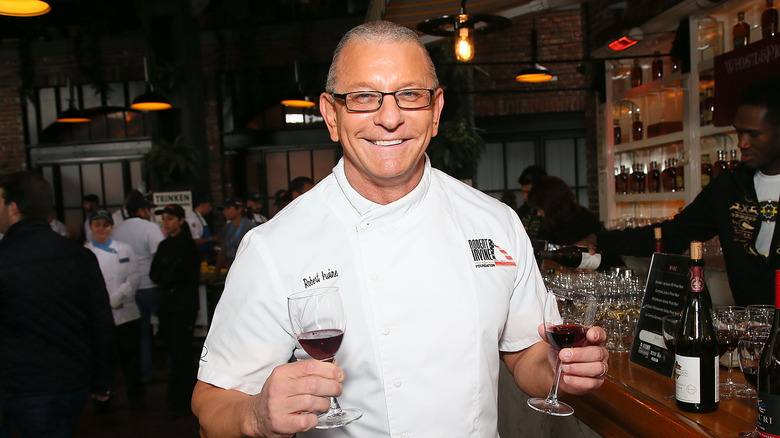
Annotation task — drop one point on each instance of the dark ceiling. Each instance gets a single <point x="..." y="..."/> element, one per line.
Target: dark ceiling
<point x="114" y="17"/>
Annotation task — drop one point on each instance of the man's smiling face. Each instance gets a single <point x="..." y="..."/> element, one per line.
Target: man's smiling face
<point x="383" y="149"/>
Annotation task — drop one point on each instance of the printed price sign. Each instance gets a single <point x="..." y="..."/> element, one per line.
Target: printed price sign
<point x="664" y="295"/>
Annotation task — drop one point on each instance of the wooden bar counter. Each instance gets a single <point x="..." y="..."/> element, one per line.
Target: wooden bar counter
<point x="631" y="404"/>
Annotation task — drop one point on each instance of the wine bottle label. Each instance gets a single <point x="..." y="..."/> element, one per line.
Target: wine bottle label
<point x="697" y="279"/>
<point x="590" y="261"/>
<point x="687" y="379"/>
<point x="768" y="412"/>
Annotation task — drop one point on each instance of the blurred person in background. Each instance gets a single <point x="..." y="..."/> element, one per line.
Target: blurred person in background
<point x="176" y="270"/>
<point x="120" y="215"/>
<point x="57" y="335"/>
<point x="199" y="227"/>
<point x="57" y="225"/>
<point x="143" y="237"/>
<point x="527" y="214"/>
<point x="255" y="204"/>
<point x="90" y="204"/>
<point x="120" y="273"/>
<point x="236" y="225"/>
<point x="300" y="185"/>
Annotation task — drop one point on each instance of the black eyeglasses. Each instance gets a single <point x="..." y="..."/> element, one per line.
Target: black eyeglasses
<point x="367" y="101"/>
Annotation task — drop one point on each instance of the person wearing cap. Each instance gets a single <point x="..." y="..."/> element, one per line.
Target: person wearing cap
<point x="282" y="197"/>
<point x="176" y="270"/>
<point x="58" y="336"/>
<point x="89" y="203"/>
<point x="255" y="204"/>
<point x="199" y="226"/>
<point x="236" y="225"/>
<point x="143" y="236"/>
<point x="120" y="214"/>
<point x="119" y="267"/>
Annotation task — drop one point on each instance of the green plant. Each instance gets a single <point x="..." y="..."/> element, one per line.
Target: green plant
<point x="457" y="148"/>
<point x="172" y="164"/>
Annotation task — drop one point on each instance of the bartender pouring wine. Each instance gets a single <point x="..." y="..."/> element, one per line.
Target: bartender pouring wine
<point x="429" y="319"/>
<point x="740" y="206"/>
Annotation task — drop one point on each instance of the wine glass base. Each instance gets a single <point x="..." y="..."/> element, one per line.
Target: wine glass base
<point x="338" y="419"/>
<point x="550" y="407"/>
<point x="747" y="393"/>
<point x="728" y="391"/>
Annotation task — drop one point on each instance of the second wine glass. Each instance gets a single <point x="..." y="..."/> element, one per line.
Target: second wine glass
<point x="568" y="314"/>
<point x="318" y="321"/>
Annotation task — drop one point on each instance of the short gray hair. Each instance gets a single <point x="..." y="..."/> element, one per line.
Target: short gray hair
<point x="378" y="32"/>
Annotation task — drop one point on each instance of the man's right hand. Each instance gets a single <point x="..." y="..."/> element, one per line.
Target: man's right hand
<point x="279" y="410"/>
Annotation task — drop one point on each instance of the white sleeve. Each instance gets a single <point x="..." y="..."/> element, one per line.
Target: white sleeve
<point x="250" y="334"/>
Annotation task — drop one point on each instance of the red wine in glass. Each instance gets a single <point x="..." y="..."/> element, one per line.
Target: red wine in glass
<point x="751" y="375"/>
<point x="670" y="343"/>
<point x="321" y="344"/>
<point x="724" y="341"/>
<point x="566" y="336"/>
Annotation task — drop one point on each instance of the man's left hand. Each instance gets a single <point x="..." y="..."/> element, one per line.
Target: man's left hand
<point x="584" y="368"/>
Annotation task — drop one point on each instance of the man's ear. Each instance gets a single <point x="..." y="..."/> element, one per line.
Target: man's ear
<point x="13" y="212"/>
<point x="328" y="111"/>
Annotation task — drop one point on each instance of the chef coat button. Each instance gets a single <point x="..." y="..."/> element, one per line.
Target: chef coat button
<point x="364" y="225"/>
<point x="385" y="331"/>
<point x="397" y="383"/>
<point x="375" y="276"/>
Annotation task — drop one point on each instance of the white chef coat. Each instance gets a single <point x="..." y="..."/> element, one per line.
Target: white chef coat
<point x="120" y="272"/>
<point x="59" y="227"/>
<point x="119" y="216"/>
<point x="143" y="237"/>
<point x="434" y="286"/>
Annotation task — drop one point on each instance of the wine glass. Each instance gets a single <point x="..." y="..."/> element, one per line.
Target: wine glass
<point x="760" y="314"/>
<point x="669" y="325"/>
<point x="568" y="314"/>
<point x="749" y="350"/>
<point x="318" y="321"/>
<point x="729" y="322"/>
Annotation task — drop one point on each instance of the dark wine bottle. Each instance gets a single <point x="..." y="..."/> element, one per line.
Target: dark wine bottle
<point x="769" y="375"/>
<point x="696" y="368"/>
<point x="572" y="257"/>
<point x="657" y="241"/>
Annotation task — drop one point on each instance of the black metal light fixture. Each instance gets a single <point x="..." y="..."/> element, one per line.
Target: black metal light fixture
<point x="463" y="27"/>
<point x="300" y="100"/>
<point x="24" y="8"/>
<point x="150" y="100"/>
<point x="535" y="73"/>
<point x="72" y="115"/>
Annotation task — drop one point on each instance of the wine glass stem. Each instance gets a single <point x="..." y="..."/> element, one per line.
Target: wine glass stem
<point x="552" y="397"/>
<point x="335" y="408"/>
<point x="730" y="368"/>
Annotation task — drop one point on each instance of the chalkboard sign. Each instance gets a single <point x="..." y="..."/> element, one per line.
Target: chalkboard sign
<point x="664" y="294"/>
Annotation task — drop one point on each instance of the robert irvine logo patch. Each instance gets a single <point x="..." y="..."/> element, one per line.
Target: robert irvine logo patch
<point x="487" y="254"/>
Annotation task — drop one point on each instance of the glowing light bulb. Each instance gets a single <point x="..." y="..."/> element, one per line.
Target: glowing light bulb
<point x="464" y="41"/>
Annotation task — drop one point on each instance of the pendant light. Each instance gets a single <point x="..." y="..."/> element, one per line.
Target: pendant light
<point x="300" y="100"/>
<point x="23" y="8"/>
<point x="72" y="115"/>
<point x="463" y="27"/>
<point x="150" y="100"/>
<point x="535" y="73"/>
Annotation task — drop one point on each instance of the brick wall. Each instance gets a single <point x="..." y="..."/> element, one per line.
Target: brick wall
<point x="12" y="150"/>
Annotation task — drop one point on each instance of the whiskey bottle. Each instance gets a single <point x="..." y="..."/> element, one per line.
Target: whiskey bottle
<point x="769" y="20"/>
<point x="741" y="31"/>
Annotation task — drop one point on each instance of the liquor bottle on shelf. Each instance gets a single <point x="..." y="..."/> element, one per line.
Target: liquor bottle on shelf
<point x="769" y="375"/>
<point x="733" y="159"/>
<point x="741" y="31"/>
<point x="658" y="246"/>
<point x="618" y="134"/>
<point x="653" y="178"/>
<point x="721" y="164"/>
<point x="621" y="181"/>
<point x="669" y="175"/>
<point x="657" y="67"/>
<point x="696" y="345"/>
<point x="572" y="257"/>
<point x="637" y="129"/>
<point x="636" y="181"/>
<point x="707" y="107"/>
<point x="769" y="20"/>
<point x="679" y="175"/>
<point x="636" y="74"/>
<point x="706" y="170"/>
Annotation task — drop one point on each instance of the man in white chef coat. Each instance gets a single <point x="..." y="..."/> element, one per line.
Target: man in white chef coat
<point x="438" y="280"/>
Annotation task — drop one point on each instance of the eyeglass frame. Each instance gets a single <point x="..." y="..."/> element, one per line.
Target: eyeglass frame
<point x="343" y="96"/>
